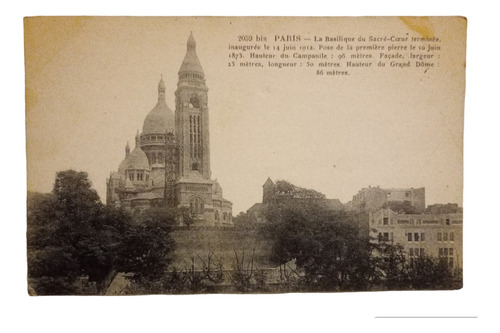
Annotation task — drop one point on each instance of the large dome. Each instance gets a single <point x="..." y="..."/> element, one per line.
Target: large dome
<point x="159" y="120"/>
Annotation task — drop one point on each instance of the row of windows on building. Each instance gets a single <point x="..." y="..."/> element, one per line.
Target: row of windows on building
<point x="225" y="216"/>
<point x="444" y="253"/>
<point x="416" y="237"/>
<point x="156" y="157"/>
<point x="416" y="252"/>
<point x="447" y="254"/>
<point x="385" y="236"/>
<point x="445" y="237"/>
<point x="191" y="76"/>
<point x="139" y="176"/>
<point x="387" y="221"/>
<point x="441" y="236"/>
<point x="148" y="138"/>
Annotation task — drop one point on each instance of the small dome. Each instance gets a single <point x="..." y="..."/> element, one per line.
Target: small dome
<point x="136" y="160"/>
<point x="123" y="165"/>
<point x="159" y="120"/>
<point x="217" y="188"/>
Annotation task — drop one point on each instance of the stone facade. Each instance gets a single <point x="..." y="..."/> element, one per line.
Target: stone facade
<point x="271" y="193"/>
<point x="170" y="163"/>
<point x="370" y="199"/>
<point x="438" y="235"/>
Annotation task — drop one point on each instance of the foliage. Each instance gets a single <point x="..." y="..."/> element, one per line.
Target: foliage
<point x="245" y="276"/>
<point x="283" y="187"/>
<point x="244" y="220"/>
<point x="71" y="234"/>
<point x="147" y="243"/>
<point x="430" y="273"/>
<point x="392" y="265"/>
<point x="331" y="251"/>
<point x="185" y="215"/>
<point x="188" y="281"/>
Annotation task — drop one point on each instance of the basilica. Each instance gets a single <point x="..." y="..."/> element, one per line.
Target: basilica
<point x="170" y="162"/>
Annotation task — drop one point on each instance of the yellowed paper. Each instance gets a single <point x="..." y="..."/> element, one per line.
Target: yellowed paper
<point x="339" y="105"/>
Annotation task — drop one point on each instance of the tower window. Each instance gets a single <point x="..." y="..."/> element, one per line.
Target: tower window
<point x="195" y="136"/>
<point x="195" y="102"/>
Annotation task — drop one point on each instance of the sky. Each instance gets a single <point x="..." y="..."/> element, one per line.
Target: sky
<point x="90" y="82"/>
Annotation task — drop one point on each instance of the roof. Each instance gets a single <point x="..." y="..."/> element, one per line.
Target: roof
<point x="115" y="175"/>
<point x="256" y="206"/>
<point x="160" y="119"/>
<point x="137" y="160"/>
<point x="191" y="62"/>
<point x="268" y="182"/>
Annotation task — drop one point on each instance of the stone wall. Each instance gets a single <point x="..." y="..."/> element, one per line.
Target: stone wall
<point x="198" y="242"/>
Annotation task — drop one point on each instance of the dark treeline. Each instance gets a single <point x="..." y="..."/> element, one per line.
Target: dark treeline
<point x="71" y="234"/>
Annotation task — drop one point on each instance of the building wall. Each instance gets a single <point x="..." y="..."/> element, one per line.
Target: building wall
<point x="438" y="235"/>
<point x="373" y="198"/>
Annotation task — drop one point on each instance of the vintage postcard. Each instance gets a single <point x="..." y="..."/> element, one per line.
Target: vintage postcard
<point x="186" y="155"/>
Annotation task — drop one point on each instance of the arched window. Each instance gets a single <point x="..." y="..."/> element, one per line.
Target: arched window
<point x="160" y="158"/>
<point x="224" y="216"/>
<point x="197" y="206"/>
<point x="216" y="215"/>
<point x="195" y="102"/>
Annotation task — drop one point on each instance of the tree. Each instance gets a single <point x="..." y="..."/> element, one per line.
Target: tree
<point x="418" y="273"/>
<point x="184" y="214"/>
<point x="244" y="220"/>
<point x="147" y="244"/>
<point x="327" y="246"/>
<point x="431" y="273"/>
<point x="70" y="234"/>
<point x="393" y="267"/>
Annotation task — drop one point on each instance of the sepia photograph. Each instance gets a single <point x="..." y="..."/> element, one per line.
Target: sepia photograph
<point x="230" y="155"/>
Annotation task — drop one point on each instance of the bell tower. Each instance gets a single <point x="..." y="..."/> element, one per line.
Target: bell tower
<point x="191" y="116"/>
